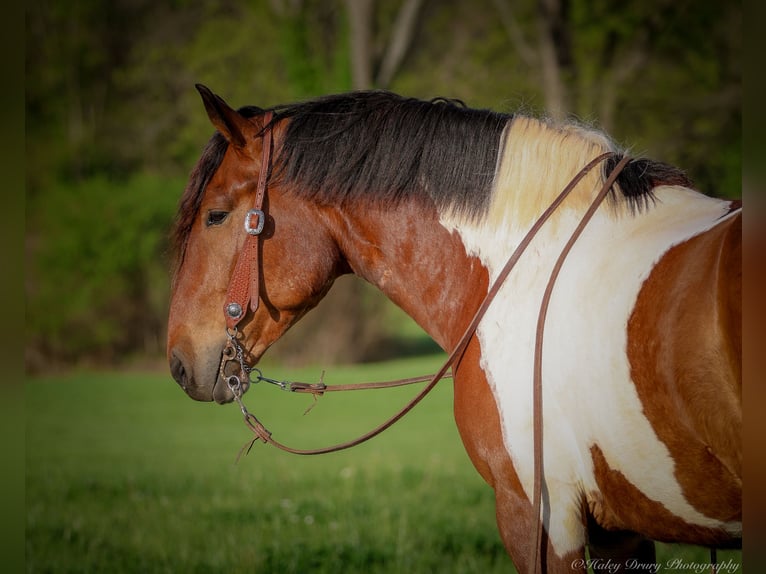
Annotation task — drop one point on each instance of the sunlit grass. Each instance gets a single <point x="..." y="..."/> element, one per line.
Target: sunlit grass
<point x="125" y="474"/>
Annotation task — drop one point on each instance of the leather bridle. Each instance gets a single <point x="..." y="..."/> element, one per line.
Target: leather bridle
<point x="244" y="284"/>
<point x="244" y="288"/>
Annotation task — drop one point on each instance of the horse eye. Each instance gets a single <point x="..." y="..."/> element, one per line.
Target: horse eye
<point x="216" y="217"/>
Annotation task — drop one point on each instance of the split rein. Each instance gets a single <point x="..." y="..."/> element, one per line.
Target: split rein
<point x="244" y="286"/>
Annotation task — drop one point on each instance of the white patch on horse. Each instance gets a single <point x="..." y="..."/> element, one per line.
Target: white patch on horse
<point x="588" y="395"/>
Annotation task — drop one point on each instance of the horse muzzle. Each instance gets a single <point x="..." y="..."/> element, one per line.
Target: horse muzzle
<point x="202" y="380"/>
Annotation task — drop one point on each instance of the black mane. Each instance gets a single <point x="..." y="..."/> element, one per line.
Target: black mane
<point x="383" y="147"/>
<point x="638" y="179"/>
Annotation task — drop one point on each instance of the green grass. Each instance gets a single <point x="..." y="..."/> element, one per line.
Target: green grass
<point x="126" y="474"/>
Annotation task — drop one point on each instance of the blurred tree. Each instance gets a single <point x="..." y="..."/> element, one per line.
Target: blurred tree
<point x="98" y="288"/>
<point x="555" y="49"/>
<point x="402" y="36"/>
<point x="313" y="47"/>
<point x="363" y="57"/>
<point x="583" y="54"/>
<point x="360" y="21"/>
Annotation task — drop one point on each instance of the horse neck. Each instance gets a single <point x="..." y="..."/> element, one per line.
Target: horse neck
<point x="417" y="263"/>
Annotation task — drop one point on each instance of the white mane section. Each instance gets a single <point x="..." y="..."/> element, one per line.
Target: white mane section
<point x="537" y="161"/>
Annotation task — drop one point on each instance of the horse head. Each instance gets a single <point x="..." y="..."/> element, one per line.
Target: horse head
<point x="297" y="263"/>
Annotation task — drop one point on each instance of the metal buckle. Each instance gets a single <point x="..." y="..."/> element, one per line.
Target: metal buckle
<point x="234" y="310"/>
<point x="249" y="229"/>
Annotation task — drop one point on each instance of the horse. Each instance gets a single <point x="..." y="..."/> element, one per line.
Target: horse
<point x="641" y="360"/>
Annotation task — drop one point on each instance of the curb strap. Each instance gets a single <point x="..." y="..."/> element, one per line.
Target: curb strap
<point x="245" y="281"/>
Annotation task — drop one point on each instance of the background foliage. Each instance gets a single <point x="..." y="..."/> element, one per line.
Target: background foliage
<point x="114" y="124"/>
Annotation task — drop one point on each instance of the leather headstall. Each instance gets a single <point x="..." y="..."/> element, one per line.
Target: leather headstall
<point x="244" y="284"/>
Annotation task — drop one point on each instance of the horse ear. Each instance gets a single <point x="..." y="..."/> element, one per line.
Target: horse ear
<point x="228" y="121"/>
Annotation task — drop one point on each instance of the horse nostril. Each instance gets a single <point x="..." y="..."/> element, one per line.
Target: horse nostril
<point x="178" y="371"/>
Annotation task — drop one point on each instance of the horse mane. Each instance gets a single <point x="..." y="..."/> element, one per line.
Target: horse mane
<point x="381" y="147"/>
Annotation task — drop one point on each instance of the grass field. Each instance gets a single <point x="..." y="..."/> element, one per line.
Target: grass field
<point x="126" y="474"/>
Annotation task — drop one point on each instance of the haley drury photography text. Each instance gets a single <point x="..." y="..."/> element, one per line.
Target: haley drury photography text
<point x="672" y="565"/>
